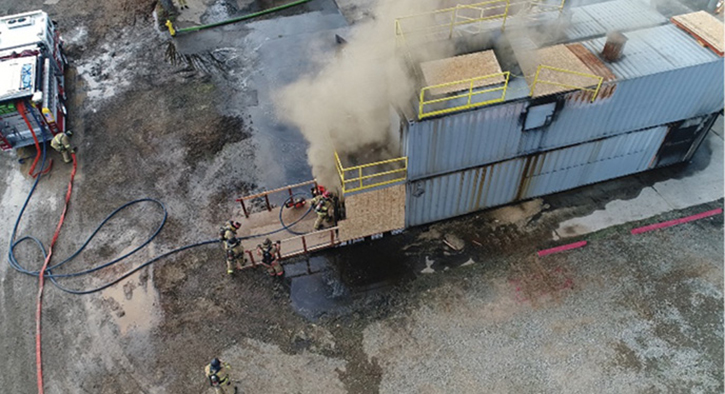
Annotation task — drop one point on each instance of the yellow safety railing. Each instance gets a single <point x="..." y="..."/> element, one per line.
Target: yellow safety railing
<point x="538" y="80"/>
<point x="361" y="177"/>
<point x="456" y="18"/>
<point x="544" y="7"/>
<point x="469" y="95"/>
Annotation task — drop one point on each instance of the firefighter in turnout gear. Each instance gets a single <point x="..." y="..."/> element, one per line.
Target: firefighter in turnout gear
<point x="269" y="252"/>
<point x="233" y="248"/>
<point x="322" y="204"/>
<point x="229" y="230"/>
<point x="217" y="373"/>
<point x="234" y="251"/>
<point x="61" y="143"/>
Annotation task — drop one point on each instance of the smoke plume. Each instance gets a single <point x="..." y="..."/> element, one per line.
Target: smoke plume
<point x="345" y="107"/>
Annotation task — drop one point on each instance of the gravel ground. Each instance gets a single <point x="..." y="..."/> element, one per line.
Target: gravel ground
<point x="638" y="313"/>
<point x="624" y="314"/>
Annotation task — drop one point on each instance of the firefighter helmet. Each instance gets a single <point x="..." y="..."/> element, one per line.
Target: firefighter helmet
<point x="215" y="364"/>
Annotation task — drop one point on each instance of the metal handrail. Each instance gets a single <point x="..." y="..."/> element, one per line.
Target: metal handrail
<point x="344" y="180"/>
<point x="469" y="104"/>
<point x="309" y="248"/>
<point x="537" y="80"/>
<point x="454" y="20"/>
<point x="455" y="17"/>
<point x="552" y="7"/>
<point x="266" y="194"/>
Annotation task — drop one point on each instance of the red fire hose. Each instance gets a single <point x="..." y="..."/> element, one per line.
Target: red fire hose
<point x="41" y="277"/>
<point x="21" y="110"/>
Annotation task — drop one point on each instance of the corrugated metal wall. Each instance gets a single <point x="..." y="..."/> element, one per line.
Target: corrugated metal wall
<point x="466" y="191"/>
<point x="491" y="134"/>
<point x="664" y="76"/>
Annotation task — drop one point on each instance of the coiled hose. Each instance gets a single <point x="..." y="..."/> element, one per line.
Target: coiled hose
<point x="55" y="276"/>
<point x="47" y="271"/>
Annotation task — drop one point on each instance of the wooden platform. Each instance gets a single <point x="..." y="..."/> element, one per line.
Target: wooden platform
<point x="373" y="212"/>
<point x="460" y="68"/>
<point x="707" y="29"/>
<point x="368" y="213"/>
<point x="268" y="221"/>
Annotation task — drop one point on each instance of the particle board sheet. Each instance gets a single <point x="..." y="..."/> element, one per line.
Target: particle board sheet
<point x="707" y="29"/>
<point x="312" y="241"/>
<point x="560" y="57"/>
<point x="459" y="68"/>
<point x="373" y="212"/>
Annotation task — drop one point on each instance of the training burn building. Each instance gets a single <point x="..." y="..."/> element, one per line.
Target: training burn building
<point x="618" y="89"/>
<point x="536" y="100"/>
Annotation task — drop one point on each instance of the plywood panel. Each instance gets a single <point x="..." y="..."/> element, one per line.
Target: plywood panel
<point x="373" y="212"/>
<point x="460" y="68"/>
<point x="557" y="56"/>
<point x="705" y="27"/>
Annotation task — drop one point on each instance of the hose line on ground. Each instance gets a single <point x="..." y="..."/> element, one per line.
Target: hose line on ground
<point x="46" y="272"/>
<point x="240" y="18"/>
<point x="55" y="276"/>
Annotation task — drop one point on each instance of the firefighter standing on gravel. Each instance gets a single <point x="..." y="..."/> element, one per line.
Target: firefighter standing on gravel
<point x="217" y="373"/>
<point x="61" y="143"/>
<point x="269" y="252"/>
<point x="233" y="248"/>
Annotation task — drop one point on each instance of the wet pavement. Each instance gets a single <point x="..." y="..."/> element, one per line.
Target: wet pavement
<point x="335" y="282"/>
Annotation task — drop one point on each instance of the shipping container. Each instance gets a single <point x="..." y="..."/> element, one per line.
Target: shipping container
<point x="660" y="90"/>
<point x="664" y="76"/>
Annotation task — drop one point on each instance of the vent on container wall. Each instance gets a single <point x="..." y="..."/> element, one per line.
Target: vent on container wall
<point x="613" y="48"/>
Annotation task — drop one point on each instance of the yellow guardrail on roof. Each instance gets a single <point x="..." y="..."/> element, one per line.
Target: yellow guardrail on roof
<point x="363" y="177"/>
<point x="538" y="80"/>
<point x="448" y="19"/>
<point x="544" y="7"/>
<point x="473" y="91"/>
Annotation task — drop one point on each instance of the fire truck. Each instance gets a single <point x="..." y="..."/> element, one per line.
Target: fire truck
<point x="32" y="87"/>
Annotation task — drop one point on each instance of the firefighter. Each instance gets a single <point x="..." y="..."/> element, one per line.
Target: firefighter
<point x="229" y="230"/>
<point x="269" y="252"/>
<point x="61" y="143"/>
<point x="217" y="372"/>
<point x="322" y="205"/>
<point x="234" y="251"/>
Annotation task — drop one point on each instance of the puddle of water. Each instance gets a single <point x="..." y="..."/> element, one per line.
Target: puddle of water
<point x="134" y="303"/>
<point x="331" y="282"/>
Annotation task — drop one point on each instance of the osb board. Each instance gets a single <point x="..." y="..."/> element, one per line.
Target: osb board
<point x="705" y="27"/>
<point x="459" y="68"/>
<point x="373" y="212"/>
<point x="557" y="56"/>
<point x="313" y="241"/>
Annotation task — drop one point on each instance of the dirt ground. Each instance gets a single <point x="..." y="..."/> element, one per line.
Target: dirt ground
<point x="628" y="314"/>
